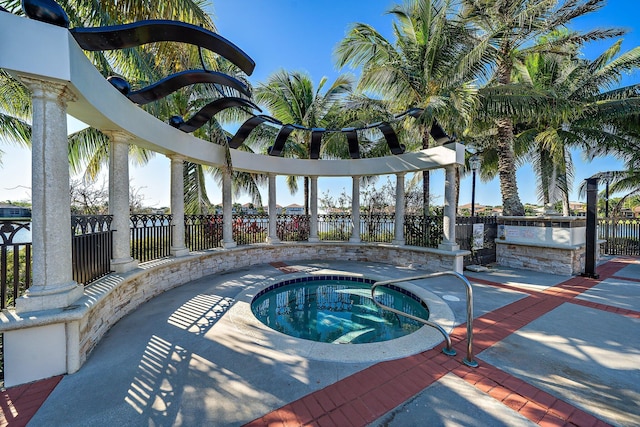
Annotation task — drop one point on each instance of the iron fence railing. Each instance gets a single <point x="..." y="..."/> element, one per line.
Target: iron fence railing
<point x="334" y="227"/>
<point x="621" y="235"/>
<point x="15" y="260"/>
<point x="91" y="247"/>
<point x="150" y="236"/>
<point x="424" y="231"/>
<point x="377" y="228"/>
<point x="151" y="239"/>
<point x="483" y="245"/>
<point x="203" y="231"/>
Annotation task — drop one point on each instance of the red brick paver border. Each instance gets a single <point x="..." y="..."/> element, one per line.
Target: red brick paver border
<point x="19" y="404"/>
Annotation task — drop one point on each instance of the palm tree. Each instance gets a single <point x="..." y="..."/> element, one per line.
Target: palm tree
<point x="505" y="31"/>
<point x="420" y="68"/>
<point x="292" y="99"/>
<point x="584" y="114"/>
<point x="89" y="148"/>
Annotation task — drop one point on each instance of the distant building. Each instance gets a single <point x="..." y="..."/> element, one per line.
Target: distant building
<point x="12" y="211"/>
<point x="249" y="209"/>
<point x="294" y="209"/>
<point x="578" y="208"/>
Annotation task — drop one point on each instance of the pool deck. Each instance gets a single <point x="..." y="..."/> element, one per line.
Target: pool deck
<point x="551" y="350"/>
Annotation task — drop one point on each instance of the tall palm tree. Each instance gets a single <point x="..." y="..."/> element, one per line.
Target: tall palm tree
<point x="585" y="112"/>
<point x="419" y="68"/>
<point x="505" y="32"/>
<point x="291" y="98"/>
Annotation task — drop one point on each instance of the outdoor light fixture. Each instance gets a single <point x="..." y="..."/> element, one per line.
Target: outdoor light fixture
<point x="474" y="164"/>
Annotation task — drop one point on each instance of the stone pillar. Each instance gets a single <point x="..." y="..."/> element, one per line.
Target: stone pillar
<point x="178" y="247"/>
<point x="449" y="214"/>
<point x="273" y="211"/>
<point x="355" y="209"/>
<point x="53" y="285"/>
<point x="313" y="223"/>
<point x="227" y="211"/>
<point x="121" y="260"/>
<point x="399" y="214"/>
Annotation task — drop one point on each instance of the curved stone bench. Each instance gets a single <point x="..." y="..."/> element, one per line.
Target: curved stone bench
<point x="82" y="325"/>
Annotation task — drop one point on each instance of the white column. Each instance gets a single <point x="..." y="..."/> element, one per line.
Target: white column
<point x="178" y="247"/>
<point x="273" y="211"/>
<point x="227" y="211"/>
<point x="449" y="214"/>
<point x="399" y="214"/>
<point x="53" y="285"/>
<point x="121" y="260"/>
<point x="313" y="223"/>
<point x="355" y="209"/>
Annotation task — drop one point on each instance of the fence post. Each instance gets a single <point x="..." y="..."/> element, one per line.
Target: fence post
<point x="590" y="247"/>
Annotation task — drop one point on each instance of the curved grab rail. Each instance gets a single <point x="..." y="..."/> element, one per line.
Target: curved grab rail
<point x="160" y="30"/>
<point x="469" y="290"/>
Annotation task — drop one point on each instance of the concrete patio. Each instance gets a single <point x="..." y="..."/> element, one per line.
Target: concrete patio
<point x="553" y="350"/>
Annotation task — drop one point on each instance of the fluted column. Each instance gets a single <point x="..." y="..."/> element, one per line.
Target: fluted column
<point x="355" y="209"/>
<point x="313" y="223"/>
<point x="227" y="212"/>
<point x="449" y="214"/>
<point x="399" y="213"/>
<point x="273" y="211"/>
<point x="121" y="260"/>
<point x="178" y="247"/>
<point x="53" y="285"/>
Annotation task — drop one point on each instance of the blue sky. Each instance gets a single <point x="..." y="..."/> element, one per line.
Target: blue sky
<point x="300" y="35"/>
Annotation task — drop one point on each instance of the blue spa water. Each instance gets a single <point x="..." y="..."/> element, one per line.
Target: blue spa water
<point x="337" y="310"/>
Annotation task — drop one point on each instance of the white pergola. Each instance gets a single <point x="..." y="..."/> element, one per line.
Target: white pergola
<point x="49" y="62"/>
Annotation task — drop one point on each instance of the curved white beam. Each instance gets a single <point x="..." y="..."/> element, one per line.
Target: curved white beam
<point x="48" y="52"/>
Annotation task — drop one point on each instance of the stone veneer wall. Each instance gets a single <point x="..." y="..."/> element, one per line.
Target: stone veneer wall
<point x="555" y="260"/>
<point x="111" y="298"/>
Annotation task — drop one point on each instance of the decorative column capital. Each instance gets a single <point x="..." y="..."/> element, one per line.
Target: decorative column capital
<point x="47" y="89"/>
<point x="176" y="157"/>
<point x="118" y="135"/>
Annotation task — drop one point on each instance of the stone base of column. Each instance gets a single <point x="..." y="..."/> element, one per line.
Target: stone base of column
<point x="398" y="242"/>
<point x="229" y="245"/>
<point x="355" y="240"/>
<point x="273" y="240"/>
<point x="39" y="298"/>
<point x="122" y="265"/>
<point x="178" y="252"/>
<point x="449" y="247"/>
<point x="313" y="240"/>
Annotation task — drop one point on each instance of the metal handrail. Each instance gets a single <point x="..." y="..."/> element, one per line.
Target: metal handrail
<point x="448" y="349"/>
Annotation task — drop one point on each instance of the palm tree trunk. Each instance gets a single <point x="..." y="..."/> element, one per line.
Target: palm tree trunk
<point x="511" y="204"/>
<point x="426" y="196"/>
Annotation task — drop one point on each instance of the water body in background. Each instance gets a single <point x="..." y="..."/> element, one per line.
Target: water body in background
<point x="22" y="236"/>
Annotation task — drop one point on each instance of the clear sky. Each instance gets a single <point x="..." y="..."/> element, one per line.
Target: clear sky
<point x="300" y="35"/>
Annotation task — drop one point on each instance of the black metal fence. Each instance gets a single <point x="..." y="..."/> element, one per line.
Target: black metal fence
<point x="151" y="239"/>
<point x="622" y="236"/>
<point x="150" y="236"/>
<point x="478" y="235"/>
<point x="91" y="247"/>
<point x="15" y="260"/>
